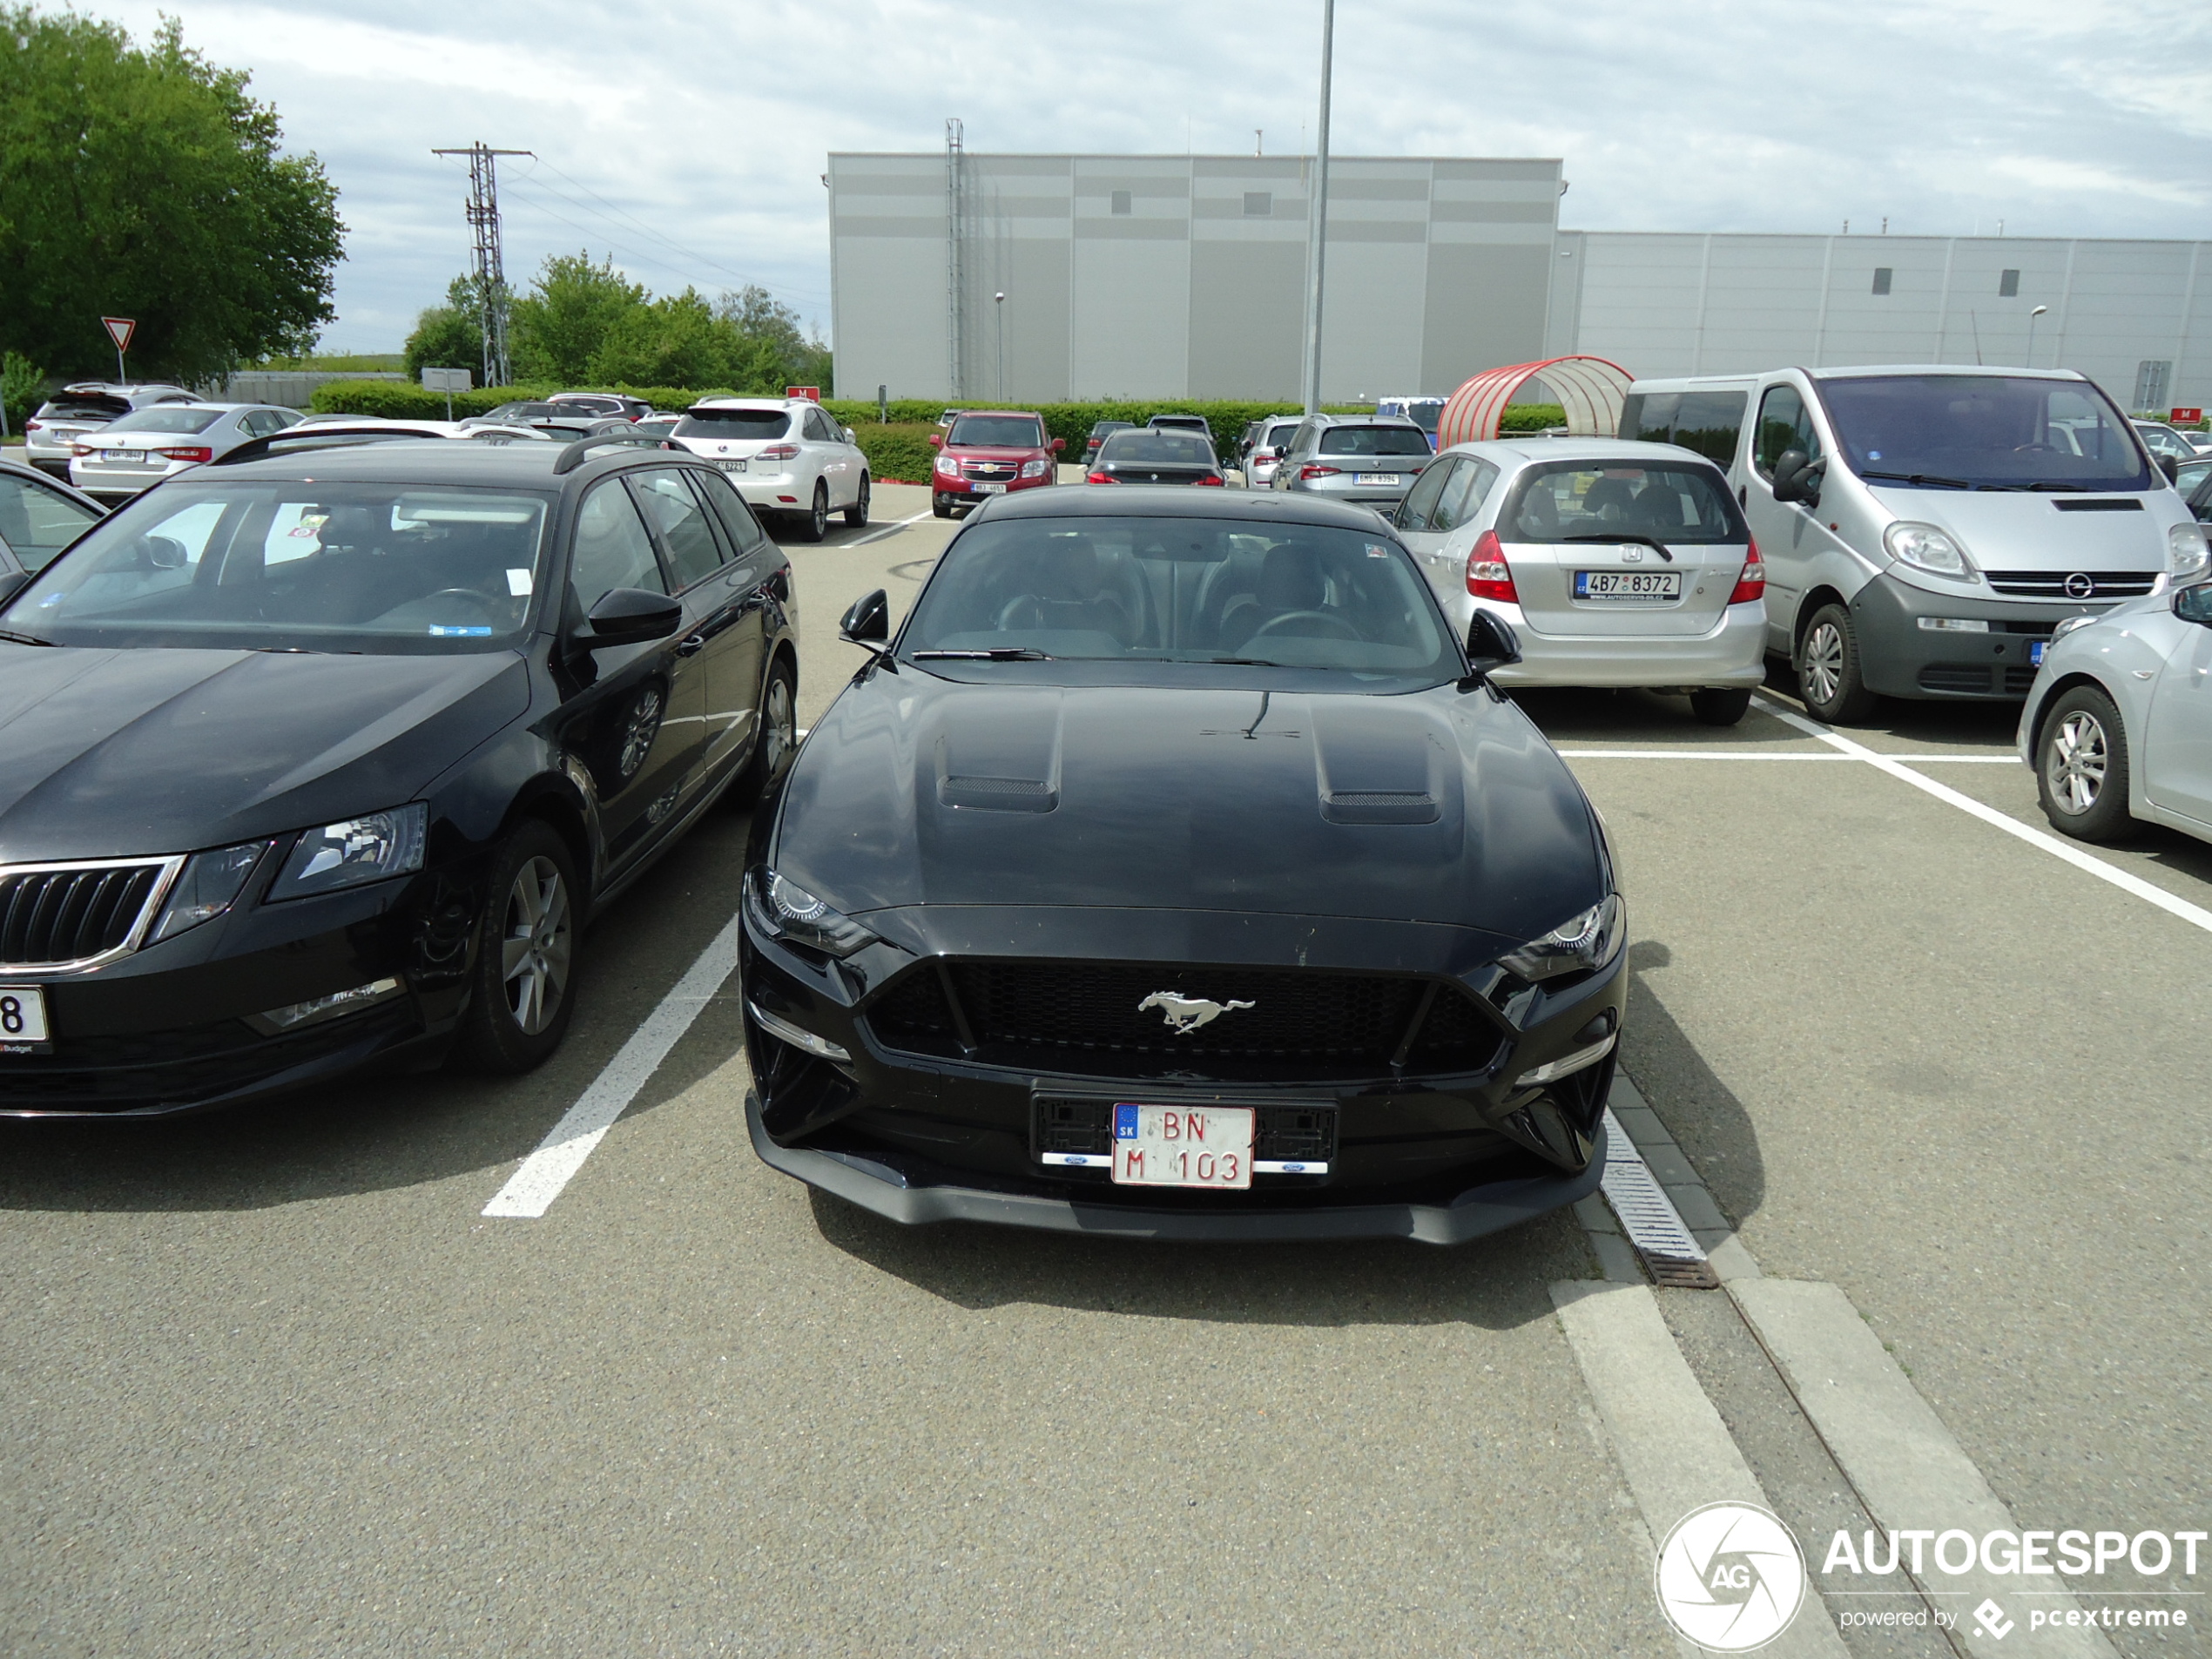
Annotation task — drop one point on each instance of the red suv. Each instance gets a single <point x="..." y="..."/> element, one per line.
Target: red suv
<point x="988" y="452"/>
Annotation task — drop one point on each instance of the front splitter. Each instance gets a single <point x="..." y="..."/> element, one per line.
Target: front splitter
<point x="1487" y="1209"/>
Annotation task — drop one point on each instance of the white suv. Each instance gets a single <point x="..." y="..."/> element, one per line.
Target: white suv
<point x="63" y="419"/>
<point x="786" y="455"/>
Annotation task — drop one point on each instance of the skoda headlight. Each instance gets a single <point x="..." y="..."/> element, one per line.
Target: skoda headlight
<point x="789" y="912"/>
<point x="354" y="850"/>
<point x="1582" y="944"/>
<point x="1925" y="548"/>
<point x="2185" y="551"/>
<point x="208" y="885"/>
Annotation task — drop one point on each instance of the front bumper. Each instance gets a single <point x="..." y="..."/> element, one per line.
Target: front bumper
<point x="1897" y="657"/>
<point x="1732" y="654"/>
<point x="164" y="1030"/>
<point x="967" y="488"/>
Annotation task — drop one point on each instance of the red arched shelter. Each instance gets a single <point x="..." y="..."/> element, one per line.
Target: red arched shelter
<point x="1590" y="389"/>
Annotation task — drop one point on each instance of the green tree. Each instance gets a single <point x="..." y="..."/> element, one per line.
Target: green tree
<point x="791" y="358"/>
<point x="450" y="335"/>
<point x="556" y="329"/>
<point x="22" y="384"/>
<point x="677" y="340"/>
<point x="147" y="184"/>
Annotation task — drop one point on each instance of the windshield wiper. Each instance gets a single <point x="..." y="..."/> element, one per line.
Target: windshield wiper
<point x="1625" y="536"/>
<point x="1243" y="662"/>
<point x="23" y="639"/>
<point x="996" y="654"/>
<point x="2054" y="485"/>
<point x="1935" y="479"/>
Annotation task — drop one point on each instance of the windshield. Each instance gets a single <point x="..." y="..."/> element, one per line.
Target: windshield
<point x="523" y="411"/>
<point x="1422" y="412"/>
<point x="174" y="417"/>
<point x="1982" y="432"/>
<point x="1373" y="441"/>
<point x="1592" y="501"/>
<point x="1159" y="447"/>
<point x="359" y="567"/>
<point x="734" y="423"/>
<point x="999" y="431"/>
<point x="1147" y="590"/>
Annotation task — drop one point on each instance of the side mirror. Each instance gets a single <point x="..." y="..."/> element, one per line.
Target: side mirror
<point x="2170" y="466"/>
<point x="847" y="431"/>
<point x="2190" y="604"/>
<point x="868" y="623"/>
<point x="1492" y="643"/>
<point x="1059" y="444"/>
<point x="630" y="616"/>
<point x="11" y="584"/>
<point x="1787" y="466"/>
<point x="936" y="440"/>
<point x="161" y="552"/>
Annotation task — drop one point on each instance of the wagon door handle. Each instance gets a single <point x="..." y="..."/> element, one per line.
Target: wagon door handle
<point x="693" y="646"/>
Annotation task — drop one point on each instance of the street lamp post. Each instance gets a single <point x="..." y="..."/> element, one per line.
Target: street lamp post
<point x="998" y="309"/>
<point x="1318" y="231"/>
<point x="2032" y="316"/>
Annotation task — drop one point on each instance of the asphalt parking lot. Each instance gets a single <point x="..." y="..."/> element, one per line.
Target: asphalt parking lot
<point x="280" y="1384"/>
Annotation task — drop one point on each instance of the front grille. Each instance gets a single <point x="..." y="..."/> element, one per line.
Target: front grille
<point x="991" y="469"/>
<point x="2018" y="679"/>
<point x="1954" y="676"/>
<point x="2052" y="584"/>
<point x="1088" y="1017"/>
<point x="1280" y="1134"/>
<point x="52" y="915"/>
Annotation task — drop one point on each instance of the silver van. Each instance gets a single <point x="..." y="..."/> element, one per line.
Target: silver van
<point x="1924" y="528"/>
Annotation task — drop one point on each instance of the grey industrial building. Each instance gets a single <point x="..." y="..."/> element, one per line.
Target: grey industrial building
<point x="1184" y="277"/>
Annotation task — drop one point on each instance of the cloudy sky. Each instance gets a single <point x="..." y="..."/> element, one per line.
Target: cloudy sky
<point x="688" y="140"/>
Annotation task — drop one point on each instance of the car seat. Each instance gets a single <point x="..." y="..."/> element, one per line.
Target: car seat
<point x="1290" y="580"/>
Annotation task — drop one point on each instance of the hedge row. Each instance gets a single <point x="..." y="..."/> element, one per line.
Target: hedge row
<point x="403" y="400"/>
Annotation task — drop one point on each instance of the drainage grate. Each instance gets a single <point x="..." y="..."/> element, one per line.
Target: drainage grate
<point x="1648" y="1215"/>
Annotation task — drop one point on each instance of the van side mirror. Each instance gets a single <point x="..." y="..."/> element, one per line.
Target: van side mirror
<point x="11" y="584"/>
<point x="2190" y="604"/>
<point x="1796" y="478"/>
<point x="630" y="616"/>
<point x="1491" y="643"/>
<point x="2170" y="466"/>
<point x="868" y="623"/>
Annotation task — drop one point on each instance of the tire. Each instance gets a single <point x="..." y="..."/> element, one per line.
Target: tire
<point x="941" y="507"/>
<point x="857" y="514"/>
<point x="1719" y="706"/>
<point x="779" y="735"/>
<point x="814" y="524"/>
<point x="1828" y="675"/>
<point x="522" y="986"/>
<point x="2081" y="767"/>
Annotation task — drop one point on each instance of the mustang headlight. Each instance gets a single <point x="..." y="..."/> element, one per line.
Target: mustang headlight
<point x="1579" y="944"/>
<point x="208" y="886"/>
<point x="792" y="913"/>
<point x="1926" y="547"/>
<point x="2185" y="553"/>
<point x="353" y="851"/>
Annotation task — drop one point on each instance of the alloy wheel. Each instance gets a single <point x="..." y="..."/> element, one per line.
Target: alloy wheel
<point x="536" y="943"/>
<point x="2079" y="758"/>
<point x="780" y="736"/>
<point x="637" y="733"/>
<point x="1822" y="664"/>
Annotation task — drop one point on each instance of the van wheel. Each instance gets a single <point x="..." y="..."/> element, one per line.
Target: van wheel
<point x="1719" y="706"/>
<point x="857" y="514"/>
<point x="2081" y="767"/>
<point x="1827" y="676"/>
<point x="521" y="990"/>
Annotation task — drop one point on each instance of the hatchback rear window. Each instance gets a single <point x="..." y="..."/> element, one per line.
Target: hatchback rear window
<point x="1594" y="501"/>
<point x="1373" y="441"/>
<point x="79" y="409"/>
<point x="734" y="423"/>
<point x="178" y="417"/>
<point x="1171" y="448"/>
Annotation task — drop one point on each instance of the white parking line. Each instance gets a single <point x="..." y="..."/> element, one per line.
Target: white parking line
<point x="532" y="1188"/>
<point x="1777" y="754"/>
<point x="2195" y="915"/>
<point x="892" y="528"/>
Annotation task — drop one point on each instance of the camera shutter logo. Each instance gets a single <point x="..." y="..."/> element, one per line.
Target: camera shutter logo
<point x="1730" y="1577"/>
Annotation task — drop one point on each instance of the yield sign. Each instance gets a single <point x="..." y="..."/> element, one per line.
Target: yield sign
<point x="119" y="330"/>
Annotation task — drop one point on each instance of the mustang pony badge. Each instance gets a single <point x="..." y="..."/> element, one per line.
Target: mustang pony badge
<point x="1186" y="1013"/>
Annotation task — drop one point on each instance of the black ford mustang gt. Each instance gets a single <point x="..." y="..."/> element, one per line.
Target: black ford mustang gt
<point x="1177" y="873"/>
<point x="322" y="759"/>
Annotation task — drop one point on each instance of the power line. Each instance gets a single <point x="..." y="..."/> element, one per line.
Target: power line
<point x="482" y="213"/>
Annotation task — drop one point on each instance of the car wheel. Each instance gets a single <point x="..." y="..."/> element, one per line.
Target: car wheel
<point x="1828" y="677"/>
<point x="1719" y="706"/>
<point x="941" y="507"/>
<point x="815" y="524"/>
<point x="857" y="514"/>
<point x="2081" y="767"/>
<point x="779" y="738"/>
<point x="522" y="986"/>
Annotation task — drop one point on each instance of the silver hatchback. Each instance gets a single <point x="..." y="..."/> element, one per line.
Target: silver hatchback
<point x="1353" y="458"/>
<point x="1618" y="563"/>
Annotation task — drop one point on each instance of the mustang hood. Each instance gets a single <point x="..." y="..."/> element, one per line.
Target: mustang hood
<point x="1434" y="806"/>
<point x="115" y="753"/>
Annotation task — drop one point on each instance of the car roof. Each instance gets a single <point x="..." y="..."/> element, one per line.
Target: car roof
<point x="1520" y="451"/>
<point x="1026" y="414"/>
<point x="1140" y="501"/>
<point x="784" y="403"/>
<point x="439" y="461"/>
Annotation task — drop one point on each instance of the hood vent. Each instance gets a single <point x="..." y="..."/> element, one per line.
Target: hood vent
<point x="2101" y="505"/>
<point x="1380" y="806"/>
<point x="999" y="794"/>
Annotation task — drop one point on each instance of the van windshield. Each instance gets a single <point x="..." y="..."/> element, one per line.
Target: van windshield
<point x="1983" y="432"/>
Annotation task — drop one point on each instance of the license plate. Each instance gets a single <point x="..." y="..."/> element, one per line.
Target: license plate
<point x="988" y="490"/>
<point x="23" y="1019"/>
<point x="731" y="466"/>
<point x="123" y="457"/>
<point x="1628" y="584"/>
<point x="1183" y="1146"/>
<point x="1374" y="478"/>
<point x="2035" y="648"/>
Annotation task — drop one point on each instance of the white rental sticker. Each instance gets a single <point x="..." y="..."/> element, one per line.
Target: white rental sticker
<point x="519" y="583"/>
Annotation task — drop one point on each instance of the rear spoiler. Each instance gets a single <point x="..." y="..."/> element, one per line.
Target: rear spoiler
<point x="320" y="437"/>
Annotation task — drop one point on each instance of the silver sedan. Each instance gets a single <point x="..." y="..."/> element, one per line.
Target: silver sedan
<point x="1618" y="563"/>
<point x="2118" y="724"/>
<point x="141" y="448"/>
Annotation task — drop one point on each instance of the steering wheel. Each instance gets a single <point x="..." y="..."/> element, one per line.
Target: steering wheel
<point x="1023" y="611"/>
<point x="2035" y="449"/>
<point x="1333" y="625"/>
<point x="470" y="595"/>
